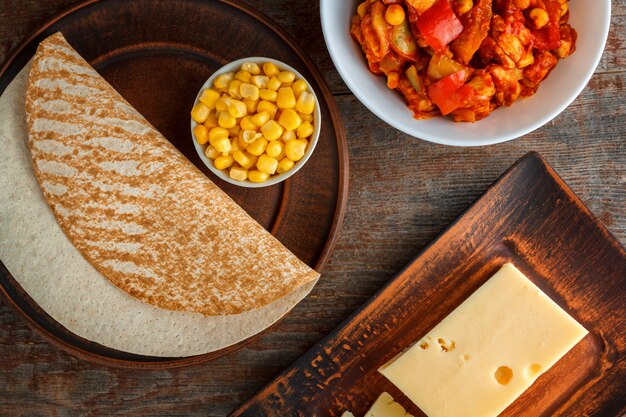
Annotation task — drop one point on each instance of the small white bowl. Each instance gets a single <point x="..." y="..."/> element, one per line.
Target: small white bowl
<point x="591" y="19"/>
<point x="274" y="179"/>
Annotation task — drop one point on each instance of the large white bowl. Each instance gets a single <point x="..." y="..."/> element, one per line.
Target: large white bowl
<point x="590" y="18"/>
<point x="274" y="179"/>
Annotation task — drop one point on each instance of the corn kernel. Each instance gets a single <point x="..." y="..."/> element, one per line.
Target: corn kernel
<point x="267" y="164"/>
<point x="260" y="81"/>
<point x="298" y="87"/>
<point x="294" y="149"/>
<point x="564" y="9"/>
<point x="249" y="136"/>
<point x="237" y="109"/>
<point x="305" y="103"/>
<point x="267" y="94"/>
<point x="222" y="104"/>
<point x="200" y="112"/>
<point x="522" y="4"/>
<point x="249" y="91"/>
<point x="305" y="130"/>
<point x="217" y="133"/>
<point x="268" y="107"/>
<point x="361" y="9"/>
<point x="244" y="159"/>
<point x="306" y="117"/>
<point x="260" y="118"/>
<point x="288" y="135"/>
<point x="211" y="121"/>
<point x="270" y="69"/>
<point x="209" y="98"/>
<point x="222" y="145"/>
<point x="234" y="145"/>
<point x="223" y="162"/>
<point x="257" y="147"/>
<point x="240" y="143"/>
<point x="234" y="131"/>
<point x="286" y="77"/>
<point x="273" y="84"/>
<point x="289" y="119"/>
<point x="243" y="76"/>
<point x="274" y="148"/>
<point x="539" y="16"/>
<point x="252" y="67"/>
<point x="394" y="15"/>
<point x="250" y="105"/>
<point x="284" y="165"/>
<point x="238" y="173"/>
<point x="257" y="176"/>
<point x="211" y="152"/>
<point x="225" y="120"/>
<point x="285" y="98"/>
<point x="246" y="123"/>
<point x="271" y="130"/>
<point x="233" y="89"/>
<point x="201" y="133"/>
<point x="222" y="80"/>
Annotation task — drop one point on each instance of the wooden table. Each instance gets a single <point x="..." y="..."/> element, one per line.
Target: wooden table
<point x="403" y="192"/>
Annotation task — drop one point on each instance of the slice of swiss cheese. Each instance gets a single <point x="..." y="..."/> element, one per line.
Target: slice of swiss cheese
<point x="384" y="406"/>
<point x="488" y="351"/>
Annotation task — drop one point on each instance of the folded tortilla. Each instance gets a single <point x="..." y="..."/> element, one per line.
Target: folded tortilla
<point x="145" y="217"/>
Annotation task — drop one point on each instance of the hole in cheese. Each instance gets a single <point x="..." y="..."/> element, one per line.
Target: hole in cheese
<point x="446" y="347"/>
<point x="424" y="345"/>
<point x="466" y="357"/>
<point x="533" y="370"/>
<point x="503" y="375"/>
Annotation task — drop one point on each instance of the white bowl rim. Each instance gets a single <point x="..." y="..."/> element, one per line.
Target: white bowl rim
<point x="231" y="66"/>
<point x="325" y="8"/>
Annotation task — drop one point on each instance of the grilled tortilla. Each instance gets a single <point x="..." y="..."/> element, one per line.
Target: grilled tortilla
<point x="135" y="207"/>
<point x="55" y="275"/>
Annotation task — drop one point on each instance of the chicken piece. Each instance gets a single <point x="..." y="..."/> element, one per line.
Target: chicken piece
<point x="506" y="82"/>
<point x="537" y="71"/>
<point x="490" y="51"/>
<point x="568" y="42"/>
<point x="475" y="29"/>
<point x="418" y="102"/>
<point x="511" y="35"/>
<point x="481" y="105"/>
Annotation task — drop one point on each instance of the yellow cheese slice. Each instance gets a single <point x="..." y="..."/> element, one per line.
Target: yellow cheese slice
<point x="488" y="351"/>
<point x="385" y="406"/>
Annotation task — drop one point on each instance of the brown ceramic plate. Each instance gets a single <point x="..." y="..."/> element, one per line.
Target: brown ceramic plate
<point x="157" y="54"/>
<point x="528" y="217"/>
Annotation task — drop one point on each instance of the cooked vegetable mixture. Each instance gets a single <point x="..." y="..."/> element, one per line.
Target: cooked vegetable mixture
<point x="462" y="57"/>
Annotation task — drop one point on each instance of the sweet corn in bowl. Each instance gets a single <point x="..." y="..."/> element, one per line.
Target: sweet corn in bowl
<point x="255" y="122"/>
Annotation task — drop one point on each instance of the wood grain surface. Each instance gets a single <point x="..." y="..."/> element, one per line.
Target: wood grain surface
<point x="403" y="192"/>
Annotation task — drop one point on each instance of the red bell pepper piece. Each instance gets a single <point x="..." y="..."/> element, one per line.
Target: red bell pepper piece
<point x="439" y="25"/>
<point x="450" y="92"/>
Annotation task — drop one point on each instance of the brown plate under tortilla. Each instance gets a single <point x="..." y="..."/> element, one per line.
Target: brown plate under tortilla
<point x="127" y="44"/>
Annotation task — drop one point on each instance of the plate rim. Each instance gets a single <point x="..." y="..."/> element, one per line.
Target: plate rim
<point x="153" y="362"/>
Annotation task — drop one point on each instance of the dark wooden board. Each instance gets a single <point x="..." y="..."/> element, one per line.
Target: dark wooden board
<point x="156" y="58"/>
<point x="528" y="217"/>
<point x="403" y="192"/>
